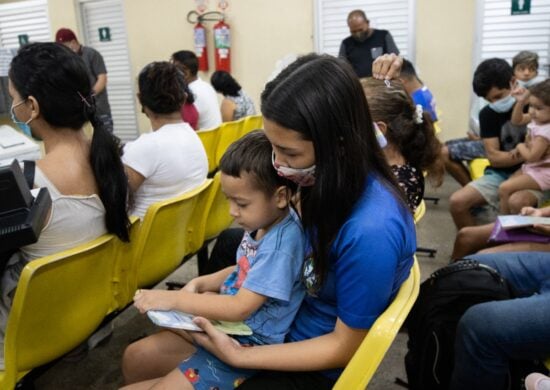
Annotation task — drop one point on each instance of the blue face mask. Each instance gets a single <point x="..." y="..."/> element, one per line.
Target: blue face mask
<point x="528" y="83"/>
<point x="503" y="105"/>
<point x="23" y="126"/>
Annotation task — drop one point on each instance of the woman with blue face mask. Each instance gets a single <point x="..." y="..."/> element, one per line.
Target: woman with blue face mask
<point x="361" y="236"/>
<point x="52" y="101"/>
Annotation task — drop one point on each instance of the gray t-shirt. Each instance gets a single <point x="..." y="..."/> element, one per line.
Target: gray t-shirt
<point x="96" y="66"/>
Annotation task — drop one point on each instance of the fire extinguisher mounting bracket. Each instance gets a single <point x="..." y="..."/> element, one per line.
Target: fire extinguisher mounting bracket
<point x="212" y="16"/>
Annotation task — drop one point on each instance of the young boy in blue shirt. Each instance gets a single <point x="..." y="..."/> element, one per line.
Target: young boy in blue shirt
<point x="264" y="289"/>
<point x="416" y="89"/>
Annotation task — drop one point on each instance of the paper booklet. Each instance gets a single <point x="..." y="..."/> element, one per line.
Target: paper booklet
<point x="179" y="320"/>
<point x="516" y="221"/>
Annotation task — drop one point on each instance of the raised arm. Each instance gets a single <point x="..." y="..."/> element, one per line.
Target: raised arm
<point x="387" y="66"/>
<point x="518" y="117"/>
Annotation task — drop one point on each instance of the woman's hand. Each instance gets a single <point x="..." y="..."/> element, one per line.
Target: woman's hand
<point x="531" y="211"/>
<point x="216" y="342"/>
<point x="542" y="229"/>
<point x="145" y="300"/>
<point x="387" y="67"/>
<point x="534" y="212"/>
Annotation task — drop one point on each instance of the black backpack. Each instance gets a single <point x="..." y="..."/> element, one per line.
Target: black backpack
<point x="432" y="322"/>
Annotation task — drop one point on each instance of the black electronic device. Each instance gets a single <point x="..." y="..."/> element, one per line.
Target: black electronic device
<point x="22" y="216"/>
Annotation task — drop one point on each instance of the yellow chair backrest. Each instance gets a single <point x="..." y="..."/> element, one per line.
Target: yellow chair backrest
<point x="437" y="127"/>
<point x="124" y="276"/>
<point x="60" y="300"/>
<point x="229" y="133"/>
<point x="367" y="358"/>
<point x="252" y="122"/>
<point x="163" y="241"/>
<point x="477" y="167"/>
<point x="196" y="229"/>
<point x="209" y="139"/>
<point x="420" y="211"/>
<point x="218" y="217"/>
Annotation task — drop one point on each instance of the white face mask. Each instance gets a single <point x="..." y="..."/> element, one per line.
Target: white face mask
<point x="504" y="104"/>
<point x="304" y="177"/>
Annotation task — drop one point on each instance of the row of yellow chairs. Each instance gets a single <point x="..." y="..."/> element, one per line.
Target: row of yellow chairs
<point x="61" y="299"/>
<point x="217" y="140"/>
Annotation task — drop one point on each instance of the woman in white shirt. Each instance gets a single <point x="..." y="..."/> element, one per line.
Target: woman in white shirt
<point x="171" y="159"/>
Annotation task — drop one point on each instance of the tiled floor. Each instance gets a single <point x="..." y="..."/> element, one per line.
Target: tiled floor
<point x="100" y="367"/>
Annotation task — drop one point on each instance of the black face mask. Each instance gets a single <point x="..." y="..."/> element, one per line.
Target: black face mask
<point x="360" y="36"/>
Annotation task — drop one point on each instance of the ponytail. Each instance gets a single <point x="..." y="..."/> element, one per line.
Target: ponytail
<point x="110" y="176"/>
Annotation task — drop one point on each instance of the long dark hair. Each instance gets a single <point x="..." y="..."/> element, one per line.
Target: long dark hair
<point x="224" y="83"/>
<point x="416" y="141"/>
<point x="57" y="78"/>
<point x="320" y="97"/>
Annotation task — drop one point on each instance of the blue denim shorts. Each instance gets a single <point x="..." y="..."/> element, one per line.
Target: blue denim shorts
<point x="206" y="372"/>
<point x="464" y="149"/>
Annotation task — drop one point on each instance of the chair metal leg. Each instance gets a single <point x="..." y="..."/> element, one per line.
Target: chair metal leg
<point x="432" y="198"/>
<point x="430" y="252"/>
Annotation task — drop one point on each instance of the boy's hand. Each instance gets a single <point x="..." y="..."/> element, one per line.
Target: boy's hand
<point x="145" y="300"/>
<point x="387" y="67"/>
<point x="521" y="94"/>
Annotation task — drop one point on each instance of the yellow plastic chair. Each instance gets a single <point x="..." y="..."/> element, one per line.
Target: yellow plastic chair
<point x="60" y="300"/>
<point x="420" y="211"/>
<point x="209" y="139"/>
<point x="367" y="358"/>
<point x="229" y="133"/>
<point x="124" y="276"/>
<point x="163" y="240"/>
<point x="477" y="167"/>
<point x="437" y="128"/>
<point x="218" y="218"/>
<point x="252" y="122"/>
<point x="196" y="229"/>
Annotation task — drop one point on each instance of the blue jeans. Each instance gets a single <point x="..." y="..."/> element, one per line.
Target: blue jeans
<point x="492" y="333"/>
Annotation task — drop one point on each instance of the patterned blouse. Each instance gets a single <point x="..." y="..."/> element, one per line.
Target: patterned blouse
<point x="244" y="105"/>
<point x="411" y="182"/>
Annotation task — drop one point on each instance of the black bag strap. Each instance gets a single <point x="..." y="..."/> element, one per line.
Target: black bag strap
<point x="28" y="170"/>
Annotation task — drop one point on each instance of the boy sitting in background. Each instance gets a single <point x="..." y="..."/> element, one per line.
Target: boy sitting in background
<point x="416" y="89"/>
<point x="526" y="68"/>
<point x="493" y="80"/>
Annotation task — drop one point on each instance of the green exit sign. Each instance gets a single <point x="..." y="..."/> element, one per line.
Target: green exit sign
<point x="23" y="39"/>
<point x="521" y="7"/>
<point x="104" y="34"/>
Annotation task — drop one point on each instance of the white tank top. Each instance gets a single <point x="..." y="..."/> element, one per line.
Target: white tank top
<point x="74" y="220"/>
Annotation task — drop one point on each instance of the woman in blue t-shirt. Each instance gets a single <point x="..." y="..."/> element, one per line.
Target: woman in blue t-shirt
<point x="361" y="233"/>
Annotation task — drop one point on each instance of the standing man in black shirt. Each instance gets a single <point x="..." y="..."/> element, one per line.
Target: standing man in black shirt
<point x="365" y="44"/>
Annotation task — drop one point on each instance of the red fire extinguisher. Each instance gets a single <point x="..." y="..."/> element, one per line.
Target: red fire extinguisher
<point x="199" y="33"/>
<point x="222" y="46"/>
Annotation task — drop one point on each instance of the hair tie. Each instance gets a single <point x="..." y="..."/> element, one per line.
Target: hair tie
<point x="418" y="118"/>
<point x="84" y="99"/>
